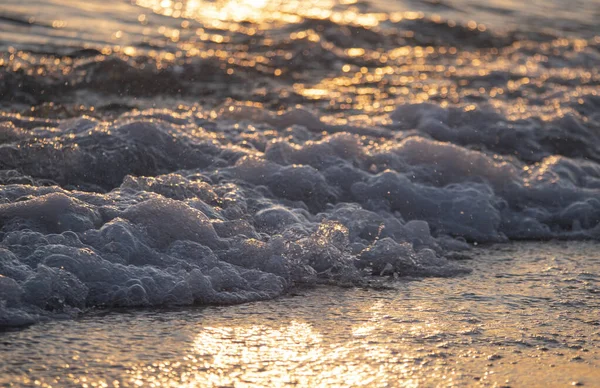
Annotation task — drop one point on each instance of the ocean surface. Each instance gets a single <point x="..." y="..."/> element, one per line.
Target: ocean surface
<point x="295" y="165"/>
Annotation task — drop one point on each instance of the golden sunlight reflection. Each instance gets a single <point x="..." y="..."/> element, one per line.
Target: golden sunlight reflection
<point x="259" y="355"/>
<point x="261" y="11"/>
<point x="296" y="353"/>
<point x="239" y="10"/>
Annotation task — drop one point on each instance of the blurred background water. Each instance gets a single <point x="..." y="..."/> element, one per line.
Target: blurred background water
<point x="338" y="56"/>
<point x="98" y="23"/>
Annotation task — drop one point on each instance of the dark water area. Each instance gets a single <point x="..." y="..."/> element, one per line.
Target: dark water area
<point x="161" y="153"/>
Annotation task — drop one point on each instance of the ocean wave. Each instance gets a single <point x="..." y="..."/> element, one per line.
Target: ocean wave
<point x="161" y="208"/>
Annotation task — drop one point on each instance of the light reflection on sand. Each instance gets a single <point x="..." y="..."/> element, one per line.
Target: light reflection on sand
<point x="526" y="316"/>
<point x="501" y="326"/>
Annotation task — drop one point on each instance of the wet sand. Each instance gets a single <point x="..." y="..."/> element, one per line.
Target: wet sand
<point x="528" y="315"/>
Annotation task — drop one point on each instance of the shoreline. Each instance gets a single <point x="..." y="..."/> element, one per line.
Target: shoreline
<point x="526" y="315"/>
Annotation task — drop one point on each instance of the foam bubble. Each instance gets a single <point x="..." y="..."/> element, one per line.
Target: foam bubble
<point x="158" y="208"/>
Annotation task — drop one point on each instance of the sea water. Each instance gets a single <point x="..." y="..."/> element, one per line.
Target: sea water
<point x="157" y="154"/>
<point x="527" y="316"/>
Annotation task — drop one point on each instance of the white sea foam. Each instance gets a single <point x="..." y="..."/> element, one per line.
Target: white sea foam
<point x="228" y="224"/>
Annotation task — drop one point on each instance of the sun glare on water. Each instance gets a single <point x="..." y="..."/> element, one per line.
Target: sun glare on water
<point x="260" y="354"/>
<point x="256" y="11"/>
<point x="263" y="12"/>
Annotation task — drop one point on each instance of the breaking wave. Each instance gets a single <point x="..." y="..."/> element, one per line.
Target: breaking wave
<point x="159" y="208"/>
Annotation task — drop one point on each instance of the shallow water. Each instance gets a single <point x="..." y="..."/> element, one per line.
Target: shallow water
<point x="528" y="315"/>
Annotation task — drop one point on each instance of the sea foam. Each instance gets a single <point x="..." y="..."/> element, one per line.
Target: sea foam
<point x="159" y="208"/>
